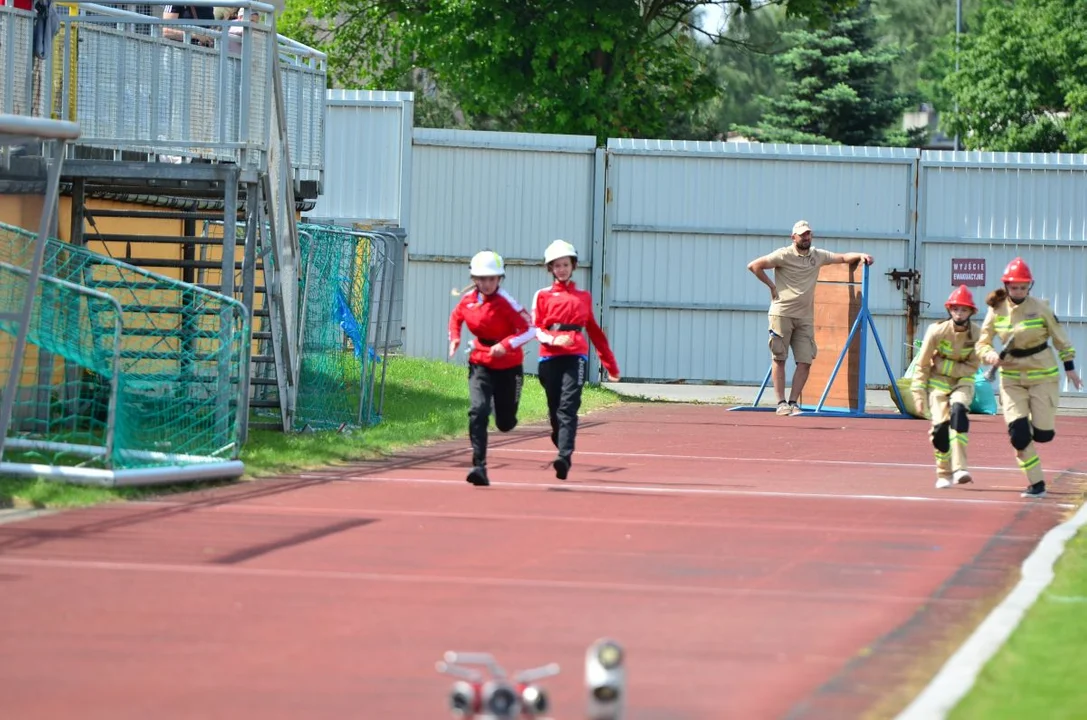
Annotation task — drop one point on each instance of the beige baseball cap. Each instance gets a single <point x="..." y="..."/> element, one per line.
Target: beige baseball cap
<point x="801" y="227"/>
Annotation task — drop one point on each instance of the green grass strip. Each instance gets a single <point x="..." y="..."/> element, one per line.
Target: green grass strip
<point x="425" y="401"/>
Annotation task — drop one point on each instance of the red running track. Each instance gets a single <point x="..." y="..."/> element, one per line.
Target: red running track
<point x="754" y="566"/>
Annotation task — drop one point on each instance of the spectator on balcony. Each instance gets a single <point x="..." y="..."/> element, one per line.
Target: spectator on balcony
<point x="188" y="12"/>
<point x="46" y="27"/>
<point x="237" y="31"/>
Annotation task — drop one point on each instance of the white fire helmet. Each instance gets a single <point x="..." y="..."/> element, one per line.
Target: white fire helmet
<point x="487" y="264"/>
<point x="559" y="249"/>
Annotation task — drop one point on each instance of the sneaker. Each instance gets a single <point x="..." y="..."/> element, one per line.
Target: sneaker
<point x="962" y="477"/>
<point x="784" y="409"/>
<point x="942" y="483"/>
<point x="794" y="409"/>
<point x="478" y="477"/>
<point x="1037" y="490"/>
<point x="562" y="467"/>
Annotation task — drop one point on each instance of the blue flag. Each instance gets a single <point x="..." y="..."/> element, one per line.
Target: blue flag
<point x="346" y="319"/>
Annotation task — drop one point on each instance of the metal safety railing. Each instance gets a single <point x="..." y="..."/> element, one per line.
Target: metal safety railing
<point x="167" y="88"/>
<point x="16" y="38"/>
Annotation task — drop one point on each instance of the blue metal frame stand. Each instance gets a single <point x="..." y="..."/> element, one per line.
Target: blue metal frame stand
<point x="862" y="324"/>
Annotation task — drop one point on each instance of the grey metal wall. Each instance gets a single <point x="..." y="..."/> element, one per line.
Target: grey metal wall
<point x="996" y="206"/>
<point x="367" y="150"/>
<point x="685" y="218"/>
<point x="509" y="192"/>
<point x="367" y="183"/>
<point x="666" y="228"/>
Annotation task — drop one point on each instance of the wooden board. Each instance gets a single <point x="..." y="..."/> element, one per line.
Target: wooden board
<point x="837" y="304"/>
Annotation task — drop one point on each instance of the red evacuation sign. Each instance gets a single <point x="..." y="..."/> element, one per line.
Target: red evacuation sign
<point x="968" y="271"/>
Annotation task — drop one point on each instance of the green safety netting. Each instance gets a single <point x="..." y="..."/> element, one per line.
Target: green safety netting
<point x="124" y="369"/>
<point x="339" y="270"/>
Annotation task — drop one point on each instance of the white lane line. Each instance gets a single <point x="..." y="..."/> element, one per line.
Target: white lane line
<point x="771" y="524"/>
<point x="960" y="672"/>
<point x="773" y="460"/>
<point x="20" y="515"/>
<point x="665" y="490"/>
<point x="665" y="588"/>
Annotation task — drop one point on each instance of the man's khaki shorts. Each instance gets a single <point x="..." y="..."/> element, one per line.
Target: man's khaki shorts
<point x="795" y="333"/>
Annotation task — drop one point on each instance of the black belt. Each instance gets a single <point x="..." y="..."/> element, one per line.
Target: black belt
<point x="565" y="326"/>
<point x="1027" y="352"/>
<point x="487" y="343"/>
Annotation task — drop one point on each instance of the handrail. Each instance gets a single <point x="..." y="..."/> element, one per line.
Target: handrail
<point x="118" y="83"/>
<point x="294" y="45"/>
<point x="303" y="49"/>
<point x="107" y="10"/>
<point x="23" y="126"/>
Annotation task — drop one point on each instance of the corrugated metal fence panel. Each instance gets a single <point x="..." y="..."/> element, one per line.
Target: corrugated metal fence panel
<point x="388" y="291"/>
<point x="1005" y="196"/>
<point x="996" y="206"/>
<point x="685" y="218"/>
<point x="489" y="140"/>
<point x="364" y="156"/>
<point x="429" y="303"/>
<point x="510" y="192"/>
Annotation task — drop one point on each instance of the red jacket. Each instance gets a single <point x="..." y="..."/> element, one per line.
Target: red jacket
<point x="493" y="319"/>
<point x="563" y="304"/>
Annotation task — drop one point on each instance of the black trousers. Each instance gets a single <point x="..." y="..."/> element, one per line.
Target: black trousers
<point x="562" y="378"/>
<point x="489" y="389"/>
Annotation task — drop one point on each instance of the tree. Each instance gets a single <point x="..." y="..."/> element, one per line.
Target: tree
<point x="920" y="28"/>
<point x="838" y="86"/>
<point x="1022" y="79"/>
<point x="743" y="65"/>
<point x="598" y="67"/>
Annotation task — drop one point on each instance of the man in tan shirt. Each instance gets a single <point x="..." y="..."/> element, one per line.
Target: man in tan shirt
<point x="792" y="306"/>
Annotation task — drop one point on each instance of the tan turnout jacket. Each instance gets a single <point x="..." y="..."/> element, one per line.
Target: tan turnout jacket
<point x="1028" y="325"/>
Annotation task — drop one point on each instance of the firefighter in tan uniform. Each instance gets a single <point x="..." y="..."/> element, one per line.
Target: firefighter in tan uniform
<point x="792" y="306"/>
<point x="1029" y="369"/>
<point x="943" y="385"/>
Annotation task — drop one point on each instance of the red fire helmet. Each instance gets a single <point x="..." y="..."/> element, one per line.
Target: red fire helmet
<point x="961" y="296"/>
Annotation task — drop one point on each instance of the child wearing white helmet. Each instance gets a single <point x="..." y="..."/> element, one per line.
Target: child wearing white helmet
<point x="561" y="312"/>
<point x="943" y="385"/>
<point x="495" y="365"/>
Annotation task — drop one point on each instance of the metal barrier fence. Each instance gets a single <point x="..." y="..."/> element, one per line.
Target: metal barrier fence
<point x="304" y="77"/>
<point x="346" y="278"/>
<point x="132" y="370"/>
<point x="16" y="35"/>
<point x="174" y="88"/>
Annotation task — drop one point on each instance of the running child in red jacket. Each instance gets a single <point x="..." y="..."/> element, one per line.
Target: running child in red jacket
<point x="560" y="313"/>
<point x="495" y="365"/>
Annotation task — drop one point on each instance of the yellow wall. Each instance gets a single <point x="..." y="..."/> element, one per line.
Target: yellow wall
<point x="23" y="211"/>
<point x="125" y="226"/>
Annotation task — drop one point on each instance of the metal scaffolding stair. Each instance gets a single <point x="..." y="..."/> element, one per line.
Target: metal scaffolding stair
<point x="238" y="236"/>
